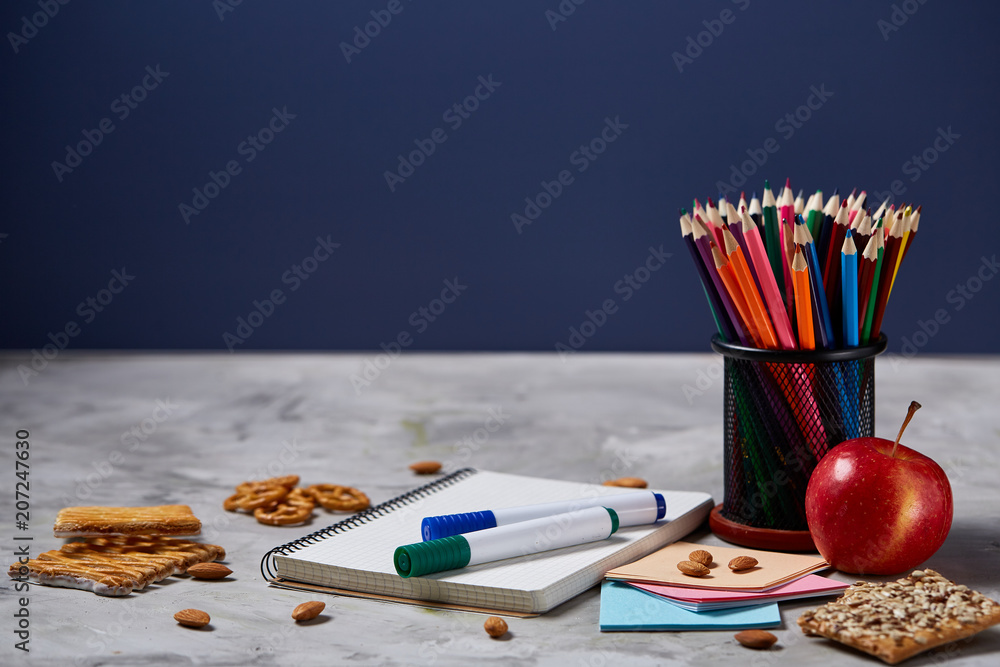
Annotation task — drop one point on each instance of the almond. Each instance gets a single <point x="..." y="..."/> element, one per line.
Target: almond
<point x="741" y="563"/>
<point x="209" y="571"/>
<point x="701" y="556"/>
<point x="692" y="569"/>
<point x="307" y="611"/>
<point x="425" y="467"/>
<point x="495" y="627"/>
<point x="193" y="618"/>
<point x="631" y="482"/>
<point x="756" y="638"/>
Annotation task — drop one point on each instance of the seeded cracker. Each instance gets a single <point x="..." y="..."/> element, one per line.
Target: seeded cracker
<point x="896" y="620"/>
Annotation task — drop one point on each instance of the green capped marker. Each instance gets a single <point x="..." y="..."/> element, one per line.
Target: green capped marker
<point x="516" y="539"/>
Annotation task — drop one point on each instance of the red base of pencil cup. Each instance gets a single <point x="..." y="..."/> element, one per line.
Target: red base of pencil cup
<point x="784" y="410"/>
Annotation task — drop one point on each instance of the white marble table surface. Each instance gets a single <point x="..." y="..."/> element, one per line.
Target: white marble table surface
<point x="146" y="429"/>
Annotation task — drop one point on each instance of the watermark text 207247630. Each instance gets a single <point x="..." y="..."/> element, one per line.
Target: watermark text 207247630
<point x="249" y="148"/>
<point x="22" y="546"/>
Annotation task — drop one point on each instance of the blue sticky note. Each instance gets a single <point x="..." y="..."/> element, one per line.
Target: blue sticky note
<point x="626" y="608"/>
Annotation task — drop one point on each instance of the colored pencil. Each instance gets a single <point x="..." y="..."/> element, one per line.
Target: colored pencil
<point x="771" y="234"/>
<point x="722" y="322"/>
<point x="732" y="286"/>
<point x="823" y="327"/>
<point x="803" y="301"/>
<point x="849" y="287"/>
<point x="768" y="285"/>
<point x="866" y="275"/>
<point x="738" y="263"/>
<point x="893" y="242"/>
<point x="702" y="238"/>
<point x="873" y="297"/>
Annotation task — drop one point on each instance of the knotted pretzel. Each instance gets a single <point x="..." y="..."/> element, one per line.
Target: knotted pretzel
<point x="339" y="498"/>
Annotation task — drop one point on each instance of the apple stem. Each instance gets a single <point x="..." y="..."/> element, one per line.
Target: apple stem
<point x="914" y="406"/>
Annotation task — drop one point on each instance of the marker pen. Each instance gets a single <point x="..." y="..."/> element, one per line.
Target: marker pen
<point x="517" y="539"/>
<point x="634" y="509"/>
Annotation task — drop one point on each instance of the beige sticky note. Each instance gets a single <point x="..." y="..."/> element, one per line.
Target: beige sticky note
<point x="773" y="568"/>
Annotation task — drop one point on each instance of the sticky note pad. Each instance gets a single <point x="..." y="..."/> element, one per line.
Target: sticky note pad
<point x="626" y="608"/>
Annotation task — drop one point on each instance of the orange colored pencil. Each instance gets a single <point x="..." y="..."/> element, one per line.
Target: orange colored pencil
<point x="728" y="277"/>
<point x="738" y="263"/>
<point x="803" y="302"/>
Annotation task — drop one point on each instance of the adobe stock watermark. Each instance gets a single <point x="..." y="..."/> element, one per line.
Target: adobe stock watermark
<point x="787" y="125"/>
<point x="898" y="17"/>
<point x="713" y="29"/>
<point x="581" y="158"/>
<point x="249" y="148"/>
<point x="562" y="12"/>
<point x="958" y="297"/>
<point x="454" y="116"/>
<point x="704" y="380"/>
<point x="122" y="106"/>
<point x="627" y="286"/>
<point x="465" y="448"/>
<point x="293" y="276"/>
<point x="473" y="442"/>
<point x="223" y="7"/>
<point x="918" y="164"/>
<point x="88" y="309"/>
<point x="131" y="440"/>
<point x="362" y="37"/>
<point x="31" y="25"/>
<point x="420" y="319"/>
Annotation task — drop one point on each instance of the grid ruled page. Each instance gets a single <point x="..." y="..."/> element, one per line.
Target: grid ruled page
<point x="361" y="559"/>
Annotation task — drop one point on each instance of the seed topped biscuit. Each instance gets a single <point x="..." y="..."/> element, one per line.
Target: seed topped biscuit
<point x="899" y="619"/>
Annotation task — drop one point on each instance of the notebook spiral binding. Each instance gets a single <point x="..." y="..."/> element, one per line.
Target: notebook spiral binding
<point x="361" y="518"/>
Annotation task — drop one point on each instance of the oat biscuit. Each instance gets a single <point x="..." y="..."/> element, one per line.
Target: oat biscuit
<point x="96" y="521"/>
<point x="115" y="566"/>
<point x="899" y="619"/>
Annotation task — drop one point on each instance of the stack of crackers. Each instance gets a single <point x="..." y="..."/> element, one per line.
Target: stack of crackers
<point x="126" y="548"/>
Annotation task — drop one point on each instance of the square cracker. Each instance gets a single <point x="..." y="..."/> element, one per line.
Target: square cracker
<point x="899" y="619"/>
<point x="97" y="521"/>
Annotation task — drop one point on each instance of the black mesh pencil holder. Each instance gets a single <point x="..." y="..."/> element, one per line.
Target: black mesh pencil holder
<point x="784" y="410"/>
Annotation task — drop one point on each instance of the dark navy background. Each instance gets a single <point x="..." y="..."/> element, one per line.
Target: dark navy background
<point x="323" y="174"/>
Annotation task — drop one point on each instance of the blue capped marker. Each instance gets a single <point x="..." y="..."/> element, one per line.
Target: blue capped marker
<point x="590" y="524"/>
<point x="636" y="508"/>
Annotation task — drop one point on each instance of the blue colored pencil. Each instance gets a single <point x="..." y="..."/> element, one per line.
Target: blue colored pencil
<point x="849" y="289"/>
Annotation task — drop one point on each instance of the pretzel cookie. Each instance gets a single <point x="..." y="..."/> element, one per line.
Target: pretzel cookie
<point x="294" y="508"/>
<point x="251" y="495"/>
<point x="339" y="498"/>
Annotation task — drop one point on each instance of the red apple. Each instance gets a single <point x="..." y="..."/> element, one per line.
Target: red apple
<point x="878" y="507"/>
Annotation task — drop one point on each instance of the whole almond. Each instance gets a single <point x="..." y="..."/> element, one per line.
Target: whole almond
<point x="425" y="467"/>
<point x="209" y="571"/>
<point x="495" y="627"/>
<point x="701" y="556"/>
<point x="742" y="563"/>
<point x="193" y="618"/>
<point x="630" y="482"/>
<point x="756" y="639"/>
<point x="307" y="611"/>
<point x="692" y="569"/>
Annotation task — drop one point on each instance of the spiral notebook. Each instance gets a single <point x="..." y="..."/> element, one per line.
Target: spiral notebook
<point x="354" y="557"/>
